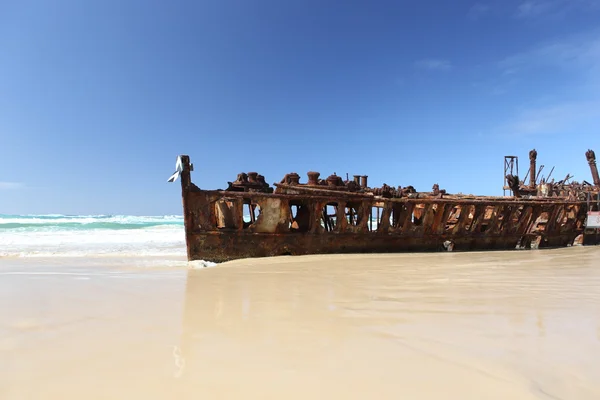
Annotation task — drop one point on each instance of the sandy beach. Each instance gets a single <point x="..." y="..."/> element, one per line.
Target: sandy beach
<point x="493" y="325"/>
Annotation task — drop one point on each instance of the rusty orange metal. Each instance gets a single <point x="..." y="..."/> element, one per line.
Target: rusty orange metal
<point x="254" y="219"/>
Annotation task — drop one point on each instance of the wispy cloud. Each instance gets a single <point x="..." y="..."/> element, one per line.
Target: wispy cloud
<point x="557" y="118"/>
<point x="570" y="101"/>
<point x="478" y="10"/>
<point x="10" y="185"/>
<point x="540" y="8"/>
<point x="498" y="90"/>
<point x="578" y="52"/>
<point x="569" y="64"/>
<point x="535" y="8"/>
<point x="433" y="64"/>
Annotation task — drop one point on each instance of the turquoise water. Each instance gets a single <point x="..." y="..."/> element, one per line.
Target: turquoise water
<point x="74" y="235"/>
<point x="86" y="222"/>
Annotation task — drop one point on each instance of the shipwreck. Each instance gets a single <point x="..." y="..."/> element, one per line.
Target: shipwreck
<point x="251" y="218"/>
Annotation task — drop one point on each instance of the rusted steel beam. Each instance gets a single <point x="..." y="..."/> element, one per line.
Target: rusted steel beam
<point x="551" y="222"/>
<point x="383" y="225"/>
<point x="357" y="197"/>
<point x="591" y="159"/>
<point x="188" y="209"/>
<point x="406" y="217"/>
<point x="523" y="221"/>
<point x="440" y="222"/>
<point x="478" y="218"/>
<point x="503" y="212"/>
<point x="532" y="177"/>
<point x="428" y="218"/>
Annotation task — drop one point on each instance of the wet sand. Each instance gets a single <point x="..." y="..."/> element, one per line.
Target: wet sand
<point x="489" y="325"/>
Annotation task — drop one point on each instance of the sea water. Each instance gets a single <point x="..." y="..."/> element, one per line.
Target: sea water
<point x="91" y="235"/>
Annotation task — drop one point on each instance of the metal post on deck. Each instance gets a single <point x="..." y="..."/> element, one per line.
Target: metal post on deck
<point x="186" y="178"/>
<point x="532" y="176"/>
<point x="591" y="158"/>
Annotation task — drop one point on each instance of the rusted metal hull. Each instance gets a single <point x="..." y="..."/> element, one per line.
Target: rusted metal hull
<point x="485" y="225"/>
<point x="219" y="247"/>
<point x="250" y="219"/>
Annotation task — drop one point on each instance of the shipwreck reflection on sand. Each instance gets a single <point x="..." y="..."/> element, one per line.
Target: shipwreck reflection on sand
<point x="499" y="319"/>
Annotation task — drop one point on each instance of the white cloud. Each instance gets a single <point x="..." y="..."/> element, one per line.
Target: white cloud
<point x="10" y="185"/>
<point x="433" y="64"/>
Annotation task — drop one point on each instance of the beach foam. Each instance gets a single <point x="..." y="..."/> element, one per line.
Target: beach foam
<point x="91" y="235"/>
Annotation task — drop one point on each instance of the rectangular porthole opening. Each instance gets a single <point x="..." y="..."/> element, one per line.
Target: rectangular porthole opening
<point x="353" y="214"/>
<point x="418" y="214"/>
<point x="375" y="218"/>
<point x="251" y="212"/>
<point x="225" y="214"/>
<point x="489" y="215"/>
<point x="453" y="218"/>
<point x="540" y="223"/>
<point x="329" y="220"/>
<point x="517" y="214"/>
<point x="300" y="217"/>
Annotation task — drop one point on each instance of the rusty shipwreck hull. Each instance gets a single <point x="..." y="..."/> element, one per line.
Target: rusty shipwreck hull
<point x="251" y="219"/>
<point x="440" y="227"/>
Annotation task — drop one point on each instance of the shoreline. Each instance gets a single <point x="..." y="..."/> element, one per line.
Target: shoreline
<point x="180" y="261"/>
<point x="472" y="325"/>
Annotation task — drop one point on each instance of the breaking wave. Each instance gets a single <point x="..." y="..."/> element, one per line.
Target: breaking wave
<point x="91" y="235"/>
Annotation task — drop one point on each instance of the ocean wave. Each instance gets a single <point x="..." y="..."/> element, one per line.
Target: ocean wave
<point x="74" y="253"/>
<point x="61" y="235"/>
<point x="86" y="226"/>
<point x="79" y="222"/>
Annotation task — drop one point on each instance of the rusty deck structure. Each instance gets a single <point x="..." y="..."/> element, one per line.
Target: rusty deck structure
<point x="254" y="219"/>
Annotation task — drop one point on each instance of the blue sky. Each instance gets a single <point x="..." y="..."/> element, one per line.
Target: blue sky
<point x="97" y="98"/>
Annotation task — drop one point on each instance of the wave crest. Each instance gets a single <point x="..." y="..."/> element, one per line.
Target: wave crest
<point x="62" y="235"/>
